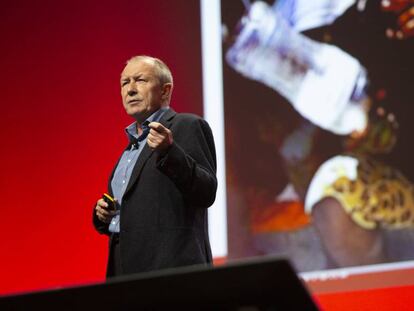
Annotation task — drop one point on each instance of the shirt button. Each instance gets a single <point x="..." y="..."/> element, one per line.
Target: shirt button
<point x="129" y="160"/>
<point x="123" y="181"/>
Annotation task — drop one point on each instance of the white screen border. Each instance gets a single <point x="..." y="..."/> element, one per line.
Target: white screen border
<point x="210" y="11"/>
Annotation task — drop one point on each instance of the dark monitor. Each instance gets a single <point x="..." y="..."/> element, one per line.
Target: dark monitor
<point x="262" y="284"/>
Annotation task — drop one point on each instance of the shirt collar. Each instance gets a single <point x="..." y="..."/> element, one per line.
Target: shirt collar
<point x="131" y="130"/>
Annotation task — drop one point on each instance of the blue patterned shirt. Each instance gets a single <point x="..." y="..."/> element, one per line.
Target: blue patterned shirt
<point x="127" y="162"/>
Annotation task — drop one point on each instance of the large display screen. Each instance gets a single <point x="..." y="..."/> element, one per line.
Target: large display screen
<point x="317" y="109"/>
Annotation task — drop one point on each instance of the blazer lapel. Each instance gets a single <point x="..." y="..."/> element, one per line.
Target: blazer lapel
<point x="167" y="117"/>
<point x="146" y="152"/>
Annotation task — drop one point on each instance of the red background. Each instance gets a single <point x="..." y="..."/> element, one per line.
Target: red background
<point x="62" y="123"/>
<point x="382" y="299"/>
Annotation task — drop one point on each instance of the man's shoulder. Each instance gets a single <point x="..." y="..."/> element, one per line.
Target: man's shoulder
<point x="190" y="123"/>
<point x="191" y="117"/>
<point x="188" y="119"/>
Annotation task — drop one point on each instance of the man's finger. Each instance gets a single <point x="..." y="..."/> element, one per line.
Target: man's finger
<point x="104" y="218"/>
<point x="102" y="211"/>
<point x="102" y="203"/>
<point x="150" y="141"/>
<point x="158" y="127"/>
<point x="154" y="133"/>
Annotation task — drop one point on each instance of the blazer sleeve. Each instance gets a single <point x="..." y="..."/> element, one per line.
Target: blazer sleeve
<point x="190" y="162"/>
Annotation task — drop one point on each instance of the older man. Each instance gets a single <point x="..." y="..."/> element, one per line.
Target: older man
<point x="164" y="181"/>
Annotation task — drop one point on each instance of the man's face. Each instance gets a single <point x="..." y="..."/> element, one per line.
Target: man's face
<point x="141" y="91"/>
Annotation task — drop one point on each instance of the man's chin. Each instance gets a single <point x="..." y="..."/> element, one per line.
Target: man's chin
<point x="131" y="111"/>
<point x="138" y="115"/>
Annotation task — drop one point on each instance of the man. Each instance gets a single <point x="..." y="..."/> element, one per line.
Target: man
<point x="164" y="181"/>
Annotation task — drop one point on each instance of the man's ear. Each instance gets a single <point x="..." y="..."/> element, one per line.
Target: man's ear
<point x="166" y="90"/>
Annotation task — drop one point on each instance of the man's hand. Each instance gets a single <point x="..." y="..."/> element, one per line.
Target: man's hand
<point x="159" y="138"/>
<point x="103" y="212"/>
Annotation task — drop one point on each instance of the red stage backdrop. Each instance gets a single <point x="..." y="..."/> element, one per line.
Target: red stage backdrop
<point x="62" y="123"/>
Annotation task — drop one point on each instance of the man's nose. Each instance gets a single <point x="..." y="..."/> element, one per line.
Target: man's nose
<point x="132" y="90"/>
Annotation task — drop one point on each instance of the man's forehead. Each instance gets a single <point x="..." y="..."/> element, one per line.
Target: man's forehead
<point x="138" y="67"/>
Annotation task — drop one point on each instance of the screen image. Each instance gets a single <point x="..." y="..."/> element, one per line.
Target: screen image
<point x="317" y="128"/>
